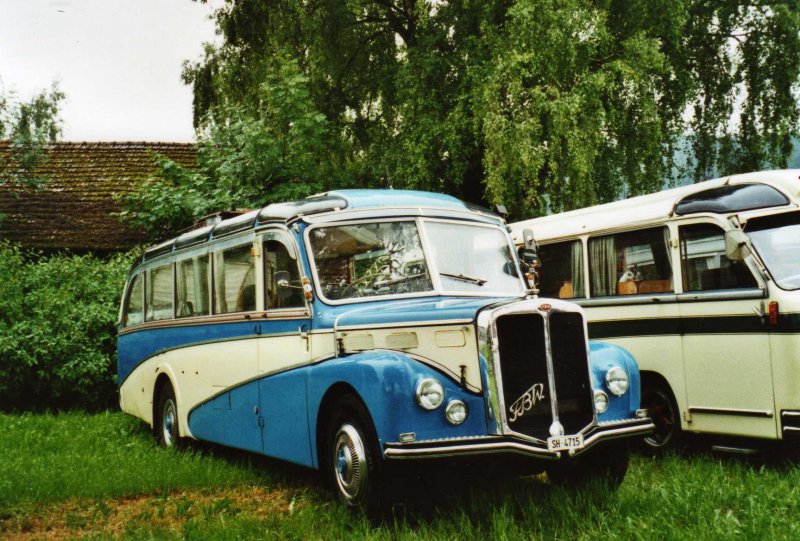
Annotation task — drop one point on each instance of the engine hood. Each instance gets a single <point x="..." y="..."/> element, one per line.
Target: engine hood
<point x="428" y="310"/>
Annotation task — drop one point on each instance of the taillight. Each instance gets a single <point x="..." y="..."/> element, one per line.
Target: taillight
<point x="773" y="313"/>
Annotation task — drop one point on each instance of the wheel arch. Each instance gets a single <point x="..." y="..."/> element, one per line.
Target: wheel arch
<point x="325" y="411"/>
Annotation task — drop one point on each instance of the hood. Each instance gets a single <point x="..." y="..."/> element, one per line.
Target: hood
<point x="426" y="310"/>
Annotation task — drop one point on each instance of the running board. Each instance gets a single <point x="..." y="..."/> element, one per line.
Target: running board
<point x="735" y="450"/>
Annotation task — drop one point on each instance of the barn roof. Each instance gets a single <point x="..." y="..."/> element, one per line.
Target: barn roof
<point x="74" y="209"/>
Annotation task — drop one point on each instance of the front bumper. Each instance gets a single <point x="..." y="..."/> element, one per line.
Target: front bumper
<point x="483" y="445"/>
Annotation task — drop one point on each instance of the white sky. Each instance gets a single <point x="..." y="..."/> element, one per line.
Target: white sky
<point x="118" y="62"/>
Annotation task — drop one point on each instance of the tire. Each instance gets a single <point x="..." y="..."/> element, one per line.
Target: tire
<point x="661" y="407"/>
<point x="165" y="424"/>
<point x="351" y="460"/>
<point x="607" y="464"/>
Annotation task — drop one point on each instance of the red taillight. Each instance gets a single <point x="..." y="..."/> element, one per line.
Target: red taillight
<point x="773" y="313"/>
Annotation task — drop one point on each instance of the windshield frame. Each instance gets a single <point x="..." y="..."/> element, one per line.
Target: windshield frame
<point x="432" y="267"/>
<point x="758" y="251"/>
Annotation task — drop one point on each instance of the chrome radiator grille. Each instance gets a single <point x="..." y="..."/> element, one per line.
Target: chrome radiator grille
<point x="523" y="372"/>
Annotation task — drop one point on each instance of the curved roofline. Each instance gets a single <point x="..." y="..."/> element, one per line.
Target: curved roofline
<point x="350" y="204"/>
<point x="647" y="208"/>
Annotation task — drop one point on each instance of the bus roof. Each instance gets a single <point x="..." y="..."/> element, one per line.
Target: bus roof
<point x="646" y="208"/>
<point x="339" y="203"/>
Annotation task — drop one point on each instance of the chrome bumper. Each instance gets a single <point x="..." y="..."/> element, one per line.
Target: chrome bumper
<point x="482" y="445"/>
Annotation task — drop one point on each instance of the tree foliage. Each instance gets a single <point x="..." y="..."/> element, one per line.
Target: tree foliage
<point x="57" y="329"/>
<point x="543" y="105"/>
<point x="28" y="127"/>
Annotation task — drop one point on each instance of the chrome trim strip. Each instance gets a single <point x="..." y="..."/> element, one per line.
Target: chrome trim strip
<point x="434" y="323"/>
<point x="214" y="319"/>
<point x="791" y="429"/>
<point x="731" y="411"/>
<point x="790" y="413"/>
<point x="729" y="295"/>
<point x="400" y="451"/>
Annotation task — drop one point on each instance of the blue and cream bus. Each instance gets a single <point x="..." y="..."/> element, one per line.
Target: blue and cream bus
<point x="355" y="329"/>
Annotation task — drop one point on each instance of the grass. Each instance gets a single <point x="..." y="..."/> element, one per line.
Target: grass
<point x="101" y="477"/>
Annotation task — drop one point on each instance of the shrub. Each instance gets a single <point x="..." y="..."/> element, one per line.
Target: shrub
<point x="57" y="330"/>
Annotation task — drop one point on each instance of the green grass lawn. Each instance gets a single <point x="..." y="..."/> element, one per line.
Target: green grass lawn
<point x="101" y="477"/>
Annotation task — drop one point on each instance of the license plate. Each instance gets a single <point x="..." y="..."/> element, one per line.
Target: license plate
<point x="565" y="443"/>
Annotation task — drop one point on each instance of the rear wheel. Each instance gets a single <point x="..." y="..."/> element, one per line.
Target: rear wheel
<point x="607" y="463"/>
<point x="351" y="461"/>
<point x="661" y="408"/>
<point x="166" y="422"/>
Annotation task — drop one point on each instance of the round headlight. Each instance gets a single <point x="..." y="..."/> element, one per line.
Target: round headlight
<point x="430" y="394"/>
<point x="456" y="412"/>
<point x="600" y="401"/>
<point x="617" y="380"/>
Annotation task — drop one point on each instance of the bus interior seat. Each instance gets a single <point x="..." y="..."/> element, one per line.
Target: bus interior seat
<point x="655" y="286"/>
<point x="626" y="288"/>
<point x="566" y="292"/>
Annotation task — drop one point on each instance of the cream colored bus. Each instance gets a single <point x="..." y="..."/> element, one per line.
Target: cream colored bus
<point x="702" y="284"/>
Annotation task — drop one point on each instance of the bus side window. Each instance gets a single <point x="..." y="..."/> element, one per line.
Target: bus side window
<point x="158" y="295"/>
<point x="192" y="287"/>
<point x="234" y="280"/>
<point x="705" y="265"/>
<point x="134" y="310"/>
<point x="636" y="262"/>
<point x="561" y="273"/>
<point x="279" y="266"/>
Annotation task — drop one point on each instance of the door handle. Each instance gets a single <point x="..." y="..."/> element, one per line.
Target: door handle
<point x="303" y="330"/>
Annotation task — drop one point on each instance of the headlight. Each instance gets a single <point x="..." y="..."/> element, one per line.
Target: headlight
<point x="617" y="380"/>
<point x="430" y="394"/>
<point x="456" y="412"/>
<point x="600" y="401"/>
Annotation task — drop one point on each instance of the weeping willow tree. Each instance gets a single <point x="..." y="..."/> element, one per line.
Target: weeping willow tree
<point x="542" y="105"/>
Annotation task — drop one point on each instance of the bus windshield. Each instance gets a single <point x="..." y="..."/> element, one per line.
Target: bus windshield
<point x="777" y="241"/>
<point x="387" y="258"/>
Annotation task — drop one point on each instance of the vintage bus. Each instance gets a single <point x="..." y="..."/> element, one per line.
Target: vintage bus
<point x="702" y="284"/>
<point x="357" y="329"/>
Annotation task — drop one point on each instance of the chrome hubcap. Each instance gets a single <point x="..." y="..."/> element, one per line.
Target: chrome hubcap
<point x="169" y="422"/>
<point x="349" y="463"/>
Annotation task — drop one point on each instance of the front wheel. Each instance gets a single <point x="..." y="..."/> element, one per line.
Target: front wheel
<point x="353" y="465"/>
<point x="661" y="408"/>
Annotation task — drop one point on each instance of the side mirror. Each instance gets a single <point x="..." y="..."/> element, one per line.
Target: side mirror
<point x="530" y="257"/>
<point x="282" y="280"/>
<point x="736" y="244"/>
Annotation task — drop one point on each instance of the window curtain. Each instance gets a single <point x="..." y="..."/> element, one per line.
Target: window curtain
<point x="668" y="247"/>
<point x="602" y="260"/>
<point x="576" y="262"/>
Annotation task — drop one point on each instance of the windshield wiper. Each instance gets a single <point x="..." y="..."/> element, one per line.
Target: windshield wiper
<point x="464" y="278"/>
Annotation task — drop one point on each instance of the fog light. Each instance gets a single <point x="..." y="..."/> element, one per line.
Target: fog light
<point x="600" y="401"/>
<point x="456" y="412"/>
<point x="617" y="380"/>
<point x="430" y="394"/>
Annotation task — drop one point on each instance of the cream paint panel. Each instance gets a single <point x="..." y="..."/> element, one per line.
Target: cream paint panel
<point x="279" y="353"/>
<point x="786" y="370"/>
<point x="197" y="373"/>
<point x="728" y="371"/>
<point x="658" y="353"/>
<point x="451" y="358"/>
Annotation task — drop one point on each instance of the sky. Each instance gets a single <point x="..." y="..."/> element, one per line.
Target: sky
<point x="118" y="62"/>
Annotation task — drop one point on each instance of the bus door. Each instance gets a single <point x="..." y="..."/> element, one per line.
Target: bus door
<point x="283" y="350"/>
<point x="726" y="348"/>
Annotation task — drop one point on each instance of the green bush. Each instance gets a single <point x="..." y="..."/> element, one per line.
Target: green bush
<point x="57" y="330"/>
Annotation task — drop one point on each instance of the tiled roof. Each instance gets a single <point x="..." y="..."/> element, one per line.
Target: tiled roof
<point x="73" y="210"/>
